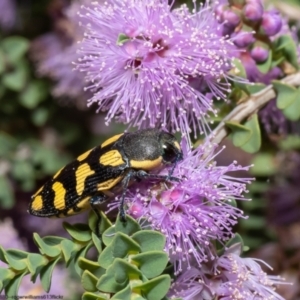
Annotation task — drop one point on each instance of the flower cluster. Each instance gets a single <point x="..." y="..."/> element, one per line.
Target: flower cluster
<point x="253" y="29"/>
<point x="193" y="212"/>
<point x="228" y="277"/>
<point x="153" y="66"/>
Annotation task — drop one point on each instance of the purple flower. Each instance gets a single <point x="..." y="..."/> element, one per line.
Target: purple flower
<point x="193" y="212"/>
<point x="146" y="62"/>
<point x="8" y="14"/>
<point x="253" y="10"/>
<point x="259" y="53"/>
<point x="271" y="22"/>
<point x="55" y="52"/>
<point x="229" y="277"/>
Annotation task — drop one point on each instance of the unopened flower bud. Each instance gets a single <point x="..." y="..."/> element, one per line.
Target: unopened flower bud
<point x="253" y="11"/>
<point x="271" y="22"/>
<point x="259" y="53"/>
<point x="243" y="39"/>
<point x="232" y="18"/>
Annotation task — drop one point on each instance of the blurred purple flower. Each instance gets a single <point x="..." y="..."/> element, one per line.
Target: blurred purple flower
<point x="55" y="52"/>
<point x="193" y="212"/>
<point x="8" y="14"/>
<point x="231" y="277"/>
<point x="146" y="62"/>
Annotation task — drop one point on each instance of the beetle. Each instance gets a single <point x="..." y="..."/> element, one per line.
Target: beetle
<point x="96" y="174"/>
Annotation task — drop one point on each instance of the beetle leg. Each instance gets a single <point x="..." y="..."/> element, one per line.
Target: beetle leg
<point x="125" y="183"/>
<point x="94" y="201"/>
<point x="143" y="174"/>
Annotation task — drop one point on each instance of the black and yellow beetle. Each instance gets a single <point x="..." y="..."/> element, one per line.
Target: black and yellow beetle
<point x="93" y="176"/>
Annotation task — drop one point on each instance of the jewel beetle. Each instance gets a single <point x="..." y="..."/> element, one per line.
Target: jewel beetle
<point x="96" y="174"/>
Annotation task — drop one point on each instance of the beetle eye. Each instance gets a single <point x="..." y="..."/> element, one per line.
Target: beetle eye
<point x="170" y="153"/>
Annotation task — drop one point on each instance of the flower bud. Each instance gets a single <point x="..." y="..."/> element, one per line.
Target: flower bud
<point x="232" y="18"/>
<point x="219" y="10"/>
<point x="243" y="39"/>
<point x="271" y="22"/>
<point x="259" y="53"/>
<point x="253" y="11"/>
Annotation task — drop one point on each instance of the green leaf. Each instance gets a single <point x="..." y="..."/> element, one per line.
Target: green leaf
<point x="2" y="255"/>
<point x="123" y="244"/>
<point x="286" y="94"/>
<point x="106" y="257"/>
<point x="79" y="255"/>
<point x="92" y="296"/>
<point x="291" y="142"/>
<point x="254" y="88"/>
<point x="241" y="134"/>
<point x="129" y="227"/>
<point x="15" y="47"/>
<point x="105" y="223"/>
<point x="97" y="242"/>
<point x="49" y="246"/>
<point x="16" y="259"/>
<point x="12" y="288"/>
<point x="292" y="112"/>
<point x="89" y="281"/>
<point x="266" y="65"/>
<point x="264" y="164"/>
<point x="6" y="275"/>
<point x="254" y="143"/>
<point x="46" y="274"/>
<point x="125" y="294"/>
<point x="108" y="235"/>
<point x="68" y="249"/>
<point x="122" y="38"/>
<point x="86" y="264"/>
<point x="286" y="44"/>
<point x="237" y="243"/>
<point x="150" y="240"/>
<point x="156" y="288"/>
<point x="17" y="78"/>
<point x="151" y="263"/>
<point x="108" y="284"/>
<point x="79" y="232"/>
<point x="35" y="92"/>
<point x="6" y="193"/>
<point x="35" y="262"/>
<point x="124" y="271"/>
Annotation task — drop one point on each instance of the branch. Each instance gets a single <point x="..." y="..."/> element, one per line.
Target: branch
<point x="248" y="107"/>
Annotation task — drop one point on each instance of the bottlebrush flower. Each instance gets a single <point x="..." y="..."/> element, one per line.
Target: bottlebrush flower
<point x="230" y="277"/>
<point x="55" y="52"/>
<point x="151" y="66"/>
<point x="193" y="212"/>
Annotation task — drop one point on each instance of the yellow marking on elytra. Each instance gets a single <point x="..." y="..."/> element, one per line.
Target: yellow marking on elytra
<point x="177" y="145"/>
<point x="108" y="184"/>
<point x="111" y="158"/>
<point x="57" y="173"/>
<point x="111" y="140"/>
<point x="40" y="189"/>
<point x="146" y="164"/>
<point x="37" y="203"/>
<point x="83" y="205"/>
<point x="59" y="197"/>
<point x="81" y="174"/>
<point x="84" y="155"/>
